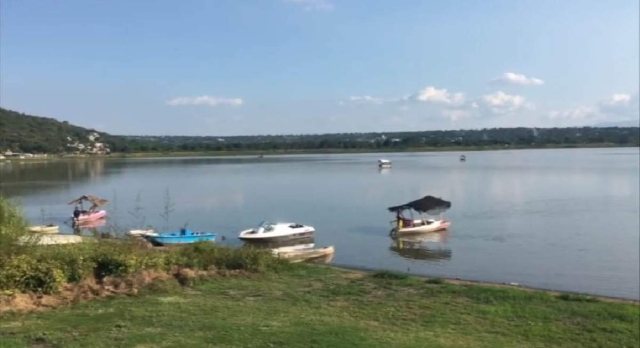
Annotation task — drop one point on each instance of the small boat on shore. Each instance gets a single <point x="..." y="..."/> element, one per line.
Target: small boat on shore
<point x="44" y="229"/>
<point x="304" y="254"/>
<point x="269" y="232"/>
<point x="384" y="163"/>
<point x="428" y="205"/>
<point x="141" y="233"/>
<point x="185" y="236"/>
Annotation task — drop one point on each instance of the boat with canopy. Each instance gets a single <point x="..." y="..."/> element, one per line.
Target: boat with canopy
<point x="425" y="206"/>
<point x="82" y="215"/>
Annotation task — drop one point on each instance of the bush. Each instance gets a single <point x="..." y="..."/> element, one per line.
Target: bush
<point x="44" y="269"/>
<point x="389" y="275"/>
<point x="576" y="298"/>
<point x="26" y="274"/>
<point x="14" y="236"/>
<point x="437" y="281"/>
<point x="205" y="255"/>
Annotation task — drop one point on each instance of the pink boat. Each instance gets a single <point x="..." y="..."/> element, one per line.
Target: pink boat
<point x="81" y="215"/>
<point x="91" y="216"/>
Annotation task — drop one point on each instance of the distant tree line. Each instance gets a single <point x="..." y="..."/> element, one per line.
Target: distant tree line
<point x="19" y="132"/>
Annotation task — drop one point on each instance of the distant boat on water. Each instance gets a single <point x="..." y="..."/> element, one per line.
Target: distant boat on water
<point x="384" y="163"/>
<point x="463" y="158"/>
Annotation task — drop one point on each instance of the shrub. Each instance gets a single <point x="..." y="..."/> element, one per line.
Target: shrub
<point x="389" y="275"/>
<point x="576" y="298"/>
<point x="14" y="236"/>
<point x="26" y="274"/>
<point x="436" y="281"/>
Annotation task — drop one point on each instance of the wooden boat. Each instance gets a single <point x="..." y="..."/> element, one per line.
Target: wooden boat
<point x="44" y="229"/>
<point x="426" y="205"/>
<point x="305" y="254"/>
<point x="185" y="236"/>
<point x="52" y="239"/>
<point x="141" y="233"/>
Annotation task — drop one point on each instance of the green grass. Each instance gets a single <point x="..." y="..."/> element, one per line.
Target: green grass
<point x="313" y="306"/>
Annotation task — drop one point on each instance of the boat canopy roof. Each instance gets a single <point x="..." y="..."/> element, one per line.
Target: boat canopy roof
<point x="95" y="201"/>
<point x="427" y="204"/>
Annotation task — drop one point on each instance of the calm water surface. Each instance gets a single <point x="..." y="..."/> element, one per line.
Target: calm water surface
<point x="556" y="219"/>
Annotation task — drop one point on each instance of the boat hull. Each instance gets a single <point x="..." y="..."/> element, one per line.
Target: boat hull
<point x="304" y="255"/>
<point x="142" y="233"/>
<point x="433" y="227"/>
<point x="275" y="239"/>
<point x="92" y="216"/>
<point x="43" y="229"/>
<point x="173" y="240"/>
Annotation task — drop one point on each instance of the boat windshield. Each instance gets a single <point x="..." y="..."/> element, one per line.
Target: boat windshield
<point x="267" y="226"/>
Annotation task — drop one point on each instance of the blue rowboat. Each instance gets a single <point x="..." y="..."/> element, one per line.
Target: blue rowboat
<point x="183" y="237"/>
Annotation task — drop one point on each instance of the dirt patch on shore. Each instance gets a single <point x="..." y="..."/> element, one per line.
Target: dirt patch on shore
<point x="91" y="288"/>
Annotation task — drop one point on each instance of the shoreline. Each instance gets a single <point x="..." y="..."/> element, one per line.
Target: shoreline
<point x="239" y="153"/>
<point x="513" y="286"/>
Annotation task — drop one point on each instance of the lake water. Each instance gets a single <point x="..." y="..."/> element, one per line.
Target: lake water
<point x="555" y="219"/>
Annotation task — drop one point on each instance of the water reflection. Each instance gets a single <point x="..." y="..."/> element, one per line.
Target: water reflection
<point x="91" y="228"/>
<point x="27" y="178"/>
<point x="425" y="247"/>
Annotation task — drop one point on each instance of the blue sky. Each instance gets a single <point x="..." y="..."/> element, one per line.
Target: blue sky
<point x="230" y="67"/>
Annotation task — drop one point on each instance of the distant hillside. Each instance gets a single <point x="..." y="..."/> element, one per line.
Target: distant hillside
<point x="25" y="133"/>
<point x="627" y="123"/>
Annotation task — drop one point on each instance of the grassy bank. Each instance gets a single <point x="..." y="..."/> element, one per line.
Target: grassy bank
<point x="123" y="294"/>
<point x="315" y="306"/>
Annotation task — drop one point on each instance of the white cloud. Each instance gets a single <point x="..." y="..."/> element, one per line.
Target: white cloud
<point x="313" y="5"/>
<point x="205" y="100"/>
<point x="621" y="106"/>
<point x="429" y="95"/>
<point x="578" y="114"/>
<point x="517" y="79"/>
<point x="366" y="99"/>
<point x="502" y="103"/>
<point x="456" y="114"/>
<point x="618" y="107"/>
<point x="438" y="96"/>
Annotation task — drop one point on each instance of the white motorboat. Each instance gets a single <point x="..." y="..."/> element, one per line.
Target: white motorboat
<point x="384" y="163"/>
<point x="269" y="232"/>
<point x="427" y="205"/>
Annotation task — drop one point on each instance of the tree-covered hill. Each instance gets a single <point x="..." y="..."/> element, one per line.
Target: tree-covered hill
<point x="25" y="133"/>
